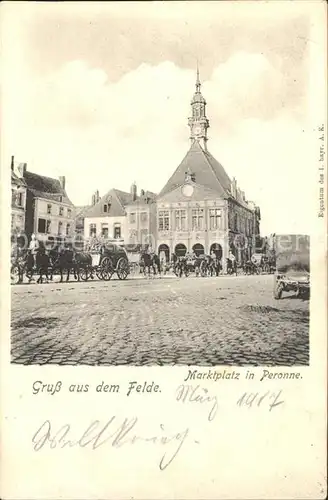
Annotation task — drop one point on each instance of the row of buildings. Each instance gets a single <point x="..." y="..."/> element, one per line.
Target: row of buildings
<point x="199" y="209"/>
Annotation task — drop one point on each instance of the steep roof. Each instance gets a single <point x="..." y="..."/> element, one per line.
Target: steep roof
<point x="17" y="180"/>
<point x="200" y="193"/>
<point x="81" y="211"/>
<point x="207" y="170"/>
<point x="208" y="173"/>
<point x="146" y="198"/>
<point x="45" y="187"/>
<point x="118" y="201"/>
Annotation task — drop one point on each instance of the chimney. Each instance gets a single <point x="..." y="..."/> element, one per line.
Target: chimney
<point x="133" y="191"/>
<point x="62" y="181"/>
<point x="142" y="192"/>
<point x="12" y="163"/>
<point x="243" y="195"/>
<point x="93" y="200"/>
<point x="97" y="197"/>
<point x="22" y="169"/>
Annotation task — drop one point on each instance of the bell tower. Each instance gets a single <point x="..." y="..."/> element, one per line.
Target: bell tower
<point x="198" y="122"/>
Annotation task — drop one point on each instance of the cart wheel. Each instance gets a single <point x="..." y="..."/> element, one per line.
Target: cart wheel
<point x="14" y="275"/>
<point x="106" y="274"/>
<point x="106" y="269"/>
<point x="85" y="274"/>
<point x="98" y="272"/>
<point x="278" y="291"/>
<point x="122" y="269"/>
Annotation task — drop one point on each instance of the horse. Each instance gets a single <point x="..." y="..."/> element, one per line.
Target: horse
<point x="181" y="267"/>
<point x="150" y="261"/>
<point x="42" y="262"/>
<point x="215" y="266"/>
<point x="231" y="266"/>
<point x="249" y="267"/>
<point x="70" y="261"/>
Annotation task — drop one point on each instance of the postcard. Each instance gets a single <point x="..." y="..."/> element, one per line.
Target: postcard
<point x="163" y="250"/>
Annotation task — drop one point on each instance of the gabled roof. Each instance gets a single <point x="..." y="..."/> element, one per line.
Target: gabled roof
<point x="200" y="193"/>
<point x="145" y="199"/>
<point x="45" y="187"/>
<point x="207" y="170"/>
<point x="81" y="211"/>
<point x="17" y="180"/>
<point x="117" y="200"/>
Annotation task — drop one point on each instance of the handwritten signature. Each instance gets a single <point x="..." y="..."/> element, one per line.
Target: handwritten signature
<point x="98" y="434"/>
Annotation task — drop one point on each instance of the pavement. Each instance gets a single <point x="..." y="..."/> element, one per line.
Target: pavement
<point x="225" y="320"/>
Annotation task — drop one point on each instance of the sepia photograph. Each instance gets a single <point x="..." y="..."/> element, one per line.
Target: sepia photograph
<point x="160" y="177"/>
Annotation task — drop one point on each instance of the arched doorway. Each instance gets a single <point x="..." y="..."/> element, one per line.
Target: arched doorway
<point x="164" y="252"/>
<point x="217" y="249"/>
<point x="198" y="249"/>
<point x="180" y="250"/>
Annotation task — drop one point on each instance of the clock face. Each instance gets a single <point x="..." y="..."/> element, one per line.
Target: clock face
<point x="197" y="130"/>
<point x="187" y="190"/>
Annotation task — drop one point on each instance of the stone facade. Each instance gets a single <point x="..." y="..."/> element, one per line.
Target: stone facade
<point x="200" y="209"/>
<point x="18" y="199"/>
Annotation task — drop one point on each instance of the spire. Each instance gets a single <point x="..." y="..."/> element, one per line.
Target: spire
<point x="198" y="122"/>
<point x="197" y="79"/>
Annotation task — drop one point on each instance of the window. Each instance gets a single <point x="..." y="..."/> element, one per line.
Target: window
<point x="197" y="219"/>
<point x="215" y="218"/>
<point x="48" y="208"/>
<point x="163" y="220"/>
<point x="104" y="230"/>
<point x="132" y="217"/>
<point x="20" y="199"/>
<point x="12" y="221"/>
<point x="143" y="216"/>
<point x="69" y="213"/>
<point x="68" y="229"/>
<point x="92" y="230"/>
<point x="117" y="230"/>
<point x="41" y="225"/>
<point x="236" y="222"/>
<point x="61" y="211"/>
<point x="60" y="227"/>
<point x="180" y="220"/>
<point x="105" y="207"/>
<point x="48" y="226"/>
<point x="144" y="236"/>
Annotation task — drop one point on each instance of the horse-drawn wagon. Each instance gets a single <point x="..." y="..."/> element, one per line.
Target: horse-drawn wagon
<point x="292" y="266"/>
<point x="105" y="262"/>
<point x="102" y="262"/>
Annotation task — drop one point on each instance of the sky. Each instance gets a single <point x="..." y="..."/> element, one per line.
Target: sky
<point x="100" y="93"/>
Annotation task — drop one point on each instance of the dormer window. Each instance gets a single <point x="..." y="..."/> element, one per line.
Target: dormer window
<point x="105" y="207"/>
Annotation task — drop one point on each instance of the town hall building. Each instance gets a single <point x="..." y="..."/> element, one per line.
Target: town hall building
<point x="200" y="209"/>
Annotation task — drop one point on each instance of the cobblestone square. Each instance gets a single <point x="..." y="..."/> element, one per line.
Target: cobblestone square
<point x="160" y="321"/>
